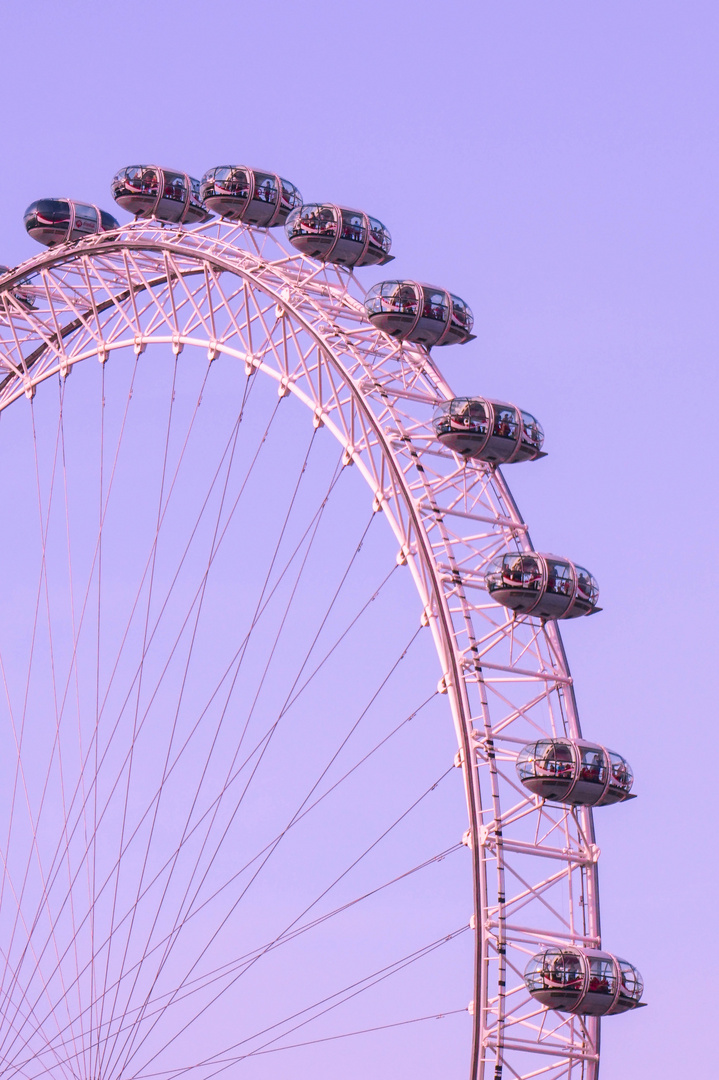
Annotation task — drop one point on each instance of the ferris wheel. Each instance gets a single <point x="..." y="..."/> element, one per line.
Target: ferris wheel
<point x="273" y="619"/>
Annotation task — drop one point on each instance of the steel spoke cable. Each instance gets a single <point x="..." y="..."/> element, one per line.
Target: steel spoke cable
<point x="276" y="584"/>
<point x="174" y="726"/>
<point x="58" y="713"/>
<point x="75" y="634"/>
<point x="276" y="842"/>
<point x="97" y="546"/>
<point x="87" y="593"/>
<point x="304" y="813"/>
<point x="213" y="549"/>
<point x="227" y="969"/>
<point x="84" y="804"/>
<point x="34" y="819"/>
<point x="307" y="810"/>
<point x="239" y="962"/>
<point x="362" y="1031"/>
<point x="351" y="991"/>
<point x="273" y="728"/>
<point x="73" y="667"/>
<point x="285" y="707"/>
<point x="294" y="922"/>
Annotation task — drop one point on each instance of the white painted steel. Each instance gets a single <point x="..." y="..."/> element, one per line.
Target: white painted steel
<point x="239" y="292"/>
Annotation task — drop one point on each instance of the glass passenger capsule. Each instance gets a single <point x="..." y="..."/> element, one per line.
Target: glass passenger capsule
<point x="543" y="585"/>
<point x="410" y="311"/>
<point x="54" y="221"/>
<point x="147" y="191"/>
<point x="338" y="235"/>
<point x="490" y="431"/>
<point x="587" y="982"/>
<point x="241" y="194"/>
<point x="574" y="772"/>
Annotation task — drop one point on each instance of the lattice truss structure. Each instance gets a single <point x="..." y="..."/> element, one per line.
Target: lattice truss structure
<point x="238" y="292"/>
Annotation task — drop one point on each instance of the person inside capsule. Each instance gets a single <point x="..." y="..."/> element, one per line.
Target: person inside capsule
<point x="557" y="761"/>
<point x="505" y="422"/>
<point x="631" y="986"/>
<point x="435" y="306"/>
<point x="265" y="190"/>
<point x="378" y="234"/>
<point x="353" y="226"/>
<point x="461" y="313"/>
<point x="533" y="433"/>
<point x="523" y="570"/>
<point x="587" y="588"/>
<point x="567" y="971"/>
<point x="559" y="578"/>
<point x="601" y="976"/>
<point x="593" y="766"/>
<point x="473" y="417"/>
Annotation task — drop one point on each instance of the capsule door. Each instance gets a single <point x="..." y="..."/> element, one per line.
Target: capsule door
<point x="174" y="196"/>
<point x="86" y="221"/>
<point x="352" y="239"/>
<point x="559" y="590"/>
<point x="505" y="435"/>
<point x="601" y="986"/>
<point x="434" y="316"/>
<point x="264" y="204"/>
<point x="593" y="775"/>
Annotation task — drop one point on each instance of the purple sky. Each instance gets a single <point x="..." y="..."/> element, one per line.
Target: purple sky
<point x="555" y="164"/>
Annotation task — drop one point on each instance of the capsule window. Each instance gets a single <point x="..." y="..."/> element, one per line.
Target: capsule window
<point x="560" y="580"/>
<point x="434" y="305"/>
<point x="290" y="195"/>
<point x="556" y="760"/>
<point x="234" y="182"/>
<point x="379" y="234"/>
<point x="523" y="570"/>
<point x="468" y="414"/>
<point x="630" y="984"/>
<point x="620" y="773"/>
<point x="316" y="219"/>
<point x="265" y="188"/>
<point x="593" y="766"/>
<point x="174" y="188"/>
<point x="353" y="227"/>
<point x="85" y="219"/>
<point x="565" y="969"/>
<point x="602" y="977"/>
<point x="139" y="180"/>
<point x="587" y="588"/>
<point x="532" y="431"/>
<point x="461" y="313"/>
<point x="505" y="422"/>
<point x="51" y="211"/>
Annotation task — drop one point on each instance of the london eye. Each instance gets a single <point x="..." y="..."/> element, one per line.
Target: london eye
<point x="292" y="762"/>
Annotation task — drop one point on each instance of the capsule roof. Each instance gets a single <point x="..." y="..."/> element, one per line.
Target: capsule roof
<point x="149" y="191"/>
<point x="239" y="193"/>
<point x="339" y="235"/>
<point x="425" y="314"/>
